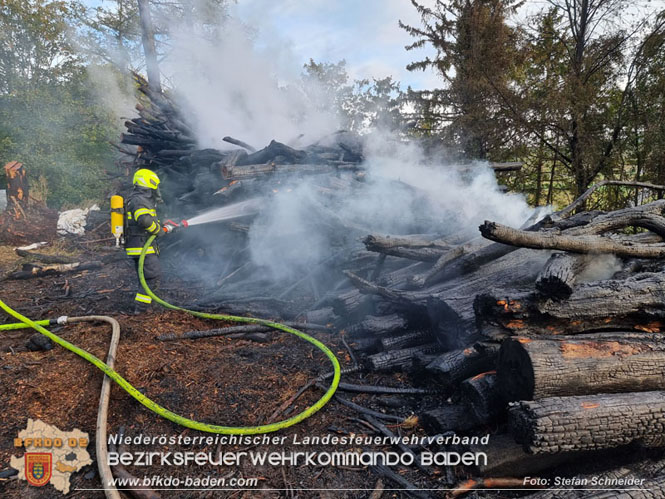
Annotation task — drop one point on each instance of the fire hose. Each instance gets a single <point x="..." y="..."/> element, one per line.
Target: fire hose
<point x="164" y="412"/>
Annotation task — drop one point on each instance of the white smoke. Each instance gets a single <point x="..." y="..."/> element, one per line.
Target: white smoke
<point x="115" y="92"/>
<point x="230" y="86"/>
<point x="465" y="195"/>
<point x="227" y="85"/>
<point x="401" y="194"/>
<point x="599" y="267"/>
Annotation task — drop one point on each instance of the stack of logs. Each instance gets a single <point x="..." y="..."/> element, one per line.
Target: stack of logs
<point x="160" y="139"/>
<point x="556" y="351"/>
<point x="560" y="350"/>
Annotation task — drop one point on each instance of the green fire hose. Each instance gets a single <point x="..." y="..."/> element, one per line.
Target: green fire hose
<point x="162" y="411"/>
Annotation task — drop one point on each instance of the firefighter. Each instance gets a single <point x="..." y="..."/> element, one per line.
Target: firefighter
<point x="142" y="222"/>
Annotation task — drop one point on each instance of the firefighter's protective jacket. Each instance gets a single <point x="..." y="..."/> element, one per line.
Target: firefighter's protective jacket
<point x="142" y="222"/>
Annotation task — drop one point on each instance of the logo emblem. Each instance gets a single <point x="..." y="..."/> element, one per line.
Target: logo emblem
<point x="38" y="468"/>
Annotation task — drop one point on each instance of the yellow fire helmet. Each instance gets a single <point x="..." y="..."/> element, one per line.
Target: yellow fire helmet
<point x="146" y="178"/>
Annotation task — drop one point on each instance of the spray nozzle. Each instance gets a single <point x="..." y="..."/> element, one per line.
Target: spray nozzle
<point x="170" y="225"/>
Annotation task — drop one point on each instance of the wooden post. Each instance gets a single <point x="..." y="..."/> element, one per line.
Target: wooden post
<point x="17" y="186"/>
<point x="148" y="38"/>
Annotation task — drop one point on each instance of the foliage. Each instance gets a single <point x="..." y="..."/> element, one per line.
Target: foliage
<point x="49" y="119"/>
<point x="475" y="55"/>
<point x="34" y="48"/>
<point x="359" y="106"/>
<point x="575" y="91"/>
<point x="111" y="33"/>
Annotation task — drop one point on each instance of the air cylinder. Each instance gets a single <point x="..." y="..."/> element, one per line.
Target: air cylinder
<point x="117" y="218"/>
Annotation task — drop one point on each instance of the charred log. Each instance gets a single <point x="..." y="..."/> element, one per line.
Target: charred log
<point x="413" y="248"/>
<point x="411" y="339"/>
<point x="448" y="417"/>
<point x="477" y="254"/>
<point x="239" y="143"/>
<point x="397" y="360"/>
<point x="379" y="243"/>
<point x="556" y="280"/>
<point x="453" y="367"/>
<point x="621" y="246"/>
<point x="531" y="369"/>
<point x="383" y="325"/>
<point x="44" y="258"/>
<point x="560" y="424"/>
<point x="505" y="457"/>
<point x="321" y="316"/>
<point x="420" y="280"/>
<point x="272" y="151"/>
<point x="366" y="345"/>
<point x="351" y="304"/>
<point x="31" y="270"/>
<point x="636" y="303"/>
<point x="481" y="394"/>
<point x="242" y="172"/>
<point x="450" y="305"/>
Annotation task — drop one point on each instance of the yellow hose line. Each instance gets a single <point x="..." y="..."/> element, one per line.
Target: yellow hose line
<point x="20" y="325"/>
<point x="172" y="416"/>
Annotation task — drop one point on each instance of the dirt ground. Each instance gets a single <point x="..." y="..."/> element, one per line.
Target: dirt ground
<point x="216" y="380"/>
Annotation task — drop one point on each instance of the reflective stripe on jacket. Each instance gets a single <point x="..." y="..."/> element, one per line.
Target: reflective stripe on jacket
<point x="137" y="251"/>
<point x="142" y="222"/>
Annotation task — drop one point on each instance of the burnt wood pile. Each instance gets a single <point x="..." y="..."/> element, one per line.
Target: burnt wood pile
<point x="548" y="335"/>
<point x="558" y="352"/>
<point x="161" y="139"/>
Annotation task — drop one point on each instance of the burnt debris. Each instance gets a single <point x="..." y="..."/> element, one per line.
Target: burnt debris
<point x="526" y="332"/>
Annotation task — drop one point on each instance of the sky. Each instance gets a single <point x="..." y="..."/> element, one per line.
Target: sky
<point x="364" y="33"/>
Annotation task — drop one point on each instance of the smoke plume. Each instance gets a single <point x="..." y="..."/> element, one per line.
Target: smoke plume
<point x="228" y="85"/>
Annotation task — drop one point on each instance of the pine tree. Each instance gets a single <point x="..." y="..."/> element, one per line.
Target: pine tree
<point x="475" y="51"/>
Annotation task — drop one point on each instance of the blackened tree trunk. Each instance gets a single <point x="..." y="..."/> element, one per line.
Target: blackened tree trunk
<point x="398" y="360"/>
<point x="636" y="303"/>
<point x="481" y="394"/>
<point x="447" y="417"/>
<point x="410" y="339"/>
<point x="377" y="325"/>
<point x="505" y="457"/>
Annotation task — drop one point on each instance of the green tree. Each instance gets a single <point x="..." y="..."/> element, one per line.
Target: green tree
<point x="327" y="88"/>
<point x="111" y="33"/>
<point x="50" y="120"/>
<point x="578" y="107"/>
<point x="375" y="104"/>
<point x="360" y="105"/>
<point x="646" y="109"/>
<point x="34" y="47"/>
<point x="475" y="54"/>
